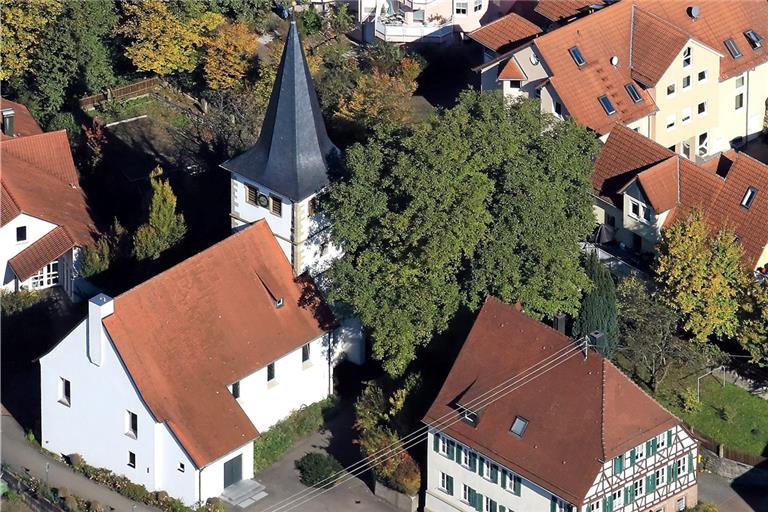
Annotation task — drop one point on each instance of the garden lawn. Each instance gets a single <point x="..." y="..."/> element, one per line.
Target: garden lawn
<point x="729" y="415"/>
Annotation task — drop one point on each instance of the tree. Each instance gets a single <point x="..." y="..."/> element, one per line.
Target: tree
<point x="648" y="331"/>
<point x="752" y="332"/>
<point x="228" y="54"/>
<point x="598" y="306"/>
<point x="702" y="277"/>
<point x="23" y="23"/>
<point x="162" y="42"/>
<point x="165" y="227"/>
<point x="95" y="259"/>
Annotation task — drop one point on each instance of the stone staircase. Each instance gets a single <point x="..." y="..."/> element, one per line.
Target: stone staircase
<point x="244" y="493"/>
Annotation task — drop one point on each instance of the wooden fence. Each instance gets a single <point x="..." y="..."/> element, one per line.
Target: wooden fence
<point x="727" y="452"/>
<point x="132" y="90"/>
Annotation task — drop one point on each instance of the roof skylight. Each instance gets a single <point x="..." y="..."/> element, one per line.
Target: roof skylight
<point x="607" y="105"/>
<point x="749" y="197"/>
<point x="633" y="93"/>
<point x="732" y="48"/>
<point x="578" y="58"/>
<point x="519" y="426"/>
<point x="755" y="41"/>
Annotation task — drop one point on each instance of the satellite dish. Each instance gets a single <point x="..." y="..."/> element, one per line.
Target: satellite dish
<point x="614" y="61"/>
<point x="694" y="11"/>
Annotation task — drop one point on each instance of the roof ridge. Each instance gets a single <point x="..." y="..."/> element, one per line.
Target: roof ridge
<point x="48" y="170"/>
<point x="648" y="396"/>
<point x="602" y="407"/>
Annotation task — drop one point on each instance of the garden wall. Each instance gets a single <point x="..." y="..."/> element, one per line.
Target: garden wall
<point x="402" y="501"/>
<point x="732" y="469"/>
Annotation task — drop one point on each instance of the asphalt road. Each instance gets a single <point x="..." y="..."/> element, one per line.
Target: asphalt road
<point x="733" y="496"/>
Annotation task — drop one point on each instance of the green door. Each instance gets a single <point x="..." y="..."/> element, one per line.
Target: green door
<point x="233" y="471"/>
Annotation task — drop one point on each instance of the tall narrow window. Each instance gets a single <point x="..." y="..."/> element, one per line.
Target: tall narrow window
<point x="131" y="424"/>
<point x="749" y="197"/>
<point x="64" y="392"/>
<point x="236" y="389"/>
<point x="732" y="48"/>
<point x="703" y="143"/>
<point x="251" y="194"/>
<point x="270" y="372"/>
<point x="686" y="81"/>
<point x="305" y="353"/>
<point x="131" y="459"/>
<point x="276" y="205"/>
<point x="739" y="101"/>
<point x="687" y="57"/>
<point x="478" y="5"/>
<point x="578" y="58"/>
<point x="21" y="233"/>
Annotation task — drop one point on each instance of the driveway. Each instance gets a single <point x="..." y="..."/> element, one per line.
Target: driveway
<point x="732" y="496"/>
<point x="282" y="480"/>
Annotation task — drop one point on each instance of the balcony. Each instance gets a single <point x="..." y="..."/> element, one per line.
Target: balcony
<point x="396" y="29"/>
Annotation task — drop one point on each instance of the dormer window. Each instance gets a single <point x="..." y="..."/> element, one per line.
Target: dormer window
<point x="732" y="48"/>
<point x="578" y="58"/>
<point x="607" y="105"/>
<point x="755" y="41"/>
<point x="749" y="197"/>
<point x="633" y="93"/>
<point x="469" y="417"/>
<point x="519" y="426"/>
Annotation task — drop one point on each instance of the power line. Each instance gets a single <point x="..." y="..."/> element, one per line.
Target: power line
<point x="421" y="434"/>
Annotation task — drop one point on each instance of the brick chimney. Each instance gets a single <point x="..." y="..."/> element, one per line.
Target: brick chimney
<point x="8" y="117"/>
<point x="99" y="307"/>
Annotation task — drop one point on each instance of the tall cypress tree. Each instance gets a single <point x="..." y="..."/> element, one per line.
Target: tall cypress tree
<point x="598" y="307"/>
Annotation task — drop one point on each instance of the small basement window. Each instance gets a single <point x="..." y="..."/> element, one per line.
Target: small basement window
<point x="633" y="93"/>
<point x="732" y="48"/>
<point x="607" y="105"/>
<point x="749" y="197"/>
<point x="578" y="58"/>
<point x="519" y="426"/>
<point x="755" y="41"/>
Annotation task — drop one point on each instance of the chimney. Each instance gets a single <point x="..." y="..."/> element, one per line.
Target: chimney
<point x="559" y="322"/>
<point x="597" y="339"/>
<point x="99" y="307"/>
<point x="8" y="116"/>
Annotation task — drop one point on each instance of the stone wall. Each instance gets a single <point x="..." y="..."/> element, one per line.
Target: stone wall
<point x="402" y="501"/>
<point x="731" y="469"/>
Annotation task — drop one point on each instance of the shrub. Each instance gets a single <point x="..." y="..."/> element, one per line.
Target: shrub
<point x="689" y="401"/>
<point x="62" y="492"/>
<point x="95" y="259"/>
<point x="96" y="506"/>
<point x="76" y="461"/>
<point x="160" y="496"/>
<point x="135" y="492"/>
<point x="214" y="505"/>
<point x="16" y="302"/>
<point x="71" y="504"/>
<point x="704" y="506"/>
<point x="407" y="476"/>
<point x="12" y="496"/>
<point x="316" y="468"/>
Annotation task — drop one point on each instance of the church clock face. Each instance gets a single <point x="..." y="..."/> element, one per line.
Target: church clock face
<point x="263" y="201"/>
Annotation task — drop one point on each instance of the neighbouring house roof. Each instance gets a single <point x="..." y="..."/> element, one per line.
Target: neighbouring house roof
<point x="48" y="248"/>
<point x="671" y="182"/>
<point x="505" y="33"/>
<point x="655" y="44"/>
<point x="580" y="412"/>
<point x="23" y="122"/>
<point x="599" y="37"/>
<point x="293" y="152"/>
<point x="511" y="71"/>
<point x="40" y="179"/>
<point x="556" y="10"/>
<point x="188" y="333"/>
<point x="718" y="21"/>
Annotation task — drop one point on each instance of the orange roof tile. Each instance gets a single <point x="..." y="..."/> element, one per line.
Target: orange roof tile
<point x="556" y="10"/>
<point x="46" y="249"/>
<point x="40" y="179"/>
<point x="505" y="33"/>
<point x="184" y="339"/>
<point x="659" y="184"/>
<point x="23" y="123"/>
<point x="511" y="71"/>
<point x="655" y="43"/>
<point x="580" y="412"/>
<point x="599" y="37"/>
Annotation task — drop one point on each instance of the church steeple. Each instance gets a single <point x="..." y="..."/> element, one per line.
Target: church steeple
<point x="292" y="154"/>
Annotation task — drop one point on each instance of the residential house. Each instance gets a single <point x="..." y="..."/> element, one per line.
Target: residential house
<point x="641" y="187"/>
<point x="45" y="219"/>
<point x="529" y="420"/>
<point x="426" y="21"/>
<point x="664" y="69"/>
<point x="170" y="382"/>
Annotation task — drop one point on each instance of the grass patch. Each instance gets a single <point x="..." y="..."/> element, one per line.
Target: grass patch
<point x="119" y="110"/>
<point x="276" y="441"/>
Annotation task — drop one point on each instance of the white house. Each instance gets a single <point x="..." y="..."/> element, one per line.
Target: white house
<point x="568" y="432"/>
<point x="170" y="382"/>
<point x="283" y="176"/>
<point x="45" y="217"/>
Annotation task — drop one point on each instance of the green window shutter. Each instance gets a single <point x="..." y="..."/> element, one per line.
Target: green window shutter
<point x="471" y="496"/>
<point x="480" y="464"/>
<point x="648" y="449"/>
<point x="627" y="497"/>
<point x="494" y="506"/>
<point x="436" y="442"/>
<point x="650" y="483"/>
<point x="669" y="438"/>
<point x="569" y="508"/>
<point x="449" y="485"/>
<point x="495" y="473"/>
<point x="553" y="504"/>
<point x="504" y="478"/>
<point x="458" y="453"/>
<point x="451" y="449"/>
<point x="516" y="485"/>
<point x="479" y="502"/>
<point x="472" y="461"/>
<point x="672" y="472"/>
<point x="618" y="464"/>
<point x="632" y="456"/>
<point x="502" y="508"/>
<point x="654" y="446"/>
<point x="690" y="463"/>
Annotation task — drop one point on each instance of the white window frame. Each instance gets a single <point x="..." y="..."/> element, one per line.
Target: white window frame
<point x="687" y="56"/>
<point x="671" y="122"/>
<point x="443" y="486"/>
<point x="673" y="85"/>
<point x="736" y="81"/>
<point x="486" y="469"/>
<point x="640" y="452"/>
<point x="442" y="447"/>
<point x="698" y="76"/>
<point x="682" y="466"/>
<point x="461" y="7"/>
<point x="487" y="504"/>
<point x="661" y="476"/>
<point x="661" y="441"/>
<point x="706" y="108"/>
<point x="736" y="106"/>
<point x="690" y="81"/>
<point x="131" y="459"/>
<point x="702" y="145"/>
<point x="465" y="457"/>
<point x="181" y="467"/>
<point x="618" y="498"/>
<point x="478" y="5"/>
<point x="638" y="487"/>
<point x="594" y="507"/>
<point x="680" y="505"/>
<point x="465" y="493"/>
<point x="685" y="116"/>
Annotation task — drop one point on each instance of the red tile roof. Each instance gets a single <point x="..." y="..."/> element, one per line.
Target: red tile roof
<point x="23" y="122"/>
<point x="580" y="412"/>
<point x="187" y="333"/>
<point x="556" y="10"/>
<point x="505" y="33"/>
<point x="719" y="20"/>
<point x="627" y="155"/>
<point x="40" y="253"/>
<point x="40" y="179"/>
<point x="511" y="71"/>
<point x="655" y="43"/>
<point x="599" y="37"/>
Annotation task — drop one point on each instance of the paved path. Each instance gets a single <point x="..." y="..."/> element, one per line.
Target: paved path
<point x="282" y="480"/>
<point x="23" y="457"/>
<point x="731" y="496"/>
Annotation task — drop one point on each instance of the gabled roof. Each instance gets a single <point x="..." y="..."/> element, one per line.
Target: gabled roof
<point x="23" y="122"/>
<point x="556" y="10"/>
<point x="511" y="71"/>
<point x="718" y="20"/>
<point x="46" y="249"/>
<point x="184" y="339"/>
<point x="599" y="37"/>
<point x="716" y="187"/>
<point x="655" y="43"/>
<point x="505" y="33"/>
<point x="580" y="412"/>
<point x="40" y="179"/>
<point x="293" y="152"/>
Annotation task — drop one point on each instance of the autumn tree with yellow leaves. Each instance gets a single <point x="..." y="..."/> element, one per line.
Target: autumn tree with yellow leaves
<point x="228" y="55"/>
<point x="23" y="23"/>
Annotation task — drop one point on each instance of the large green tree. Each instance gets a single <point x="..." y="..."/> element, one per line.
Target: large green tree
<point x="598" y="307"/>
<point x="164" y="228"/>
<point x="444" y="213"/>
<point x="752" y="332"/>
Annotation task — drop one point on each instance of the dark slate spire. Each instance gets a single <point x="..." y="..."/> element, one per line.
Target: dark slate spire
<point x="292" y="153"/>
